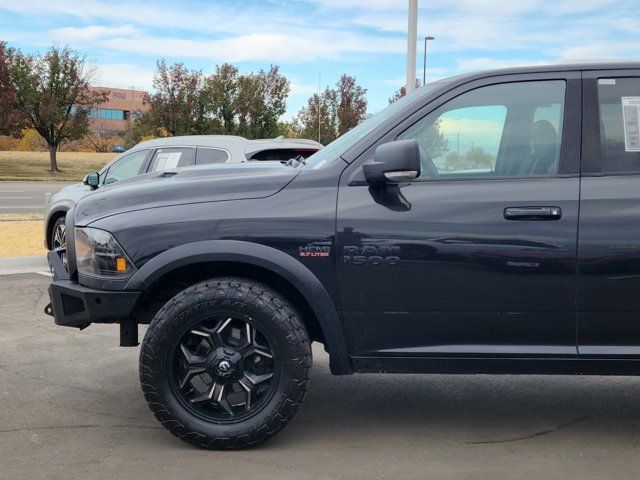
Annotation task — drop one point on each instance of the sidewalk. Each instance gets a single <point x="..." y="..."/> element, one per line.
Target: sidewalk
<point x="11" y="266"/>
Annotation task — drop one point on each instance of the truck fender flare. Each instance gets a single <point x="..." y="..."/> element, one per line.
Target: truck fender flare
<point x="261" y="256"/>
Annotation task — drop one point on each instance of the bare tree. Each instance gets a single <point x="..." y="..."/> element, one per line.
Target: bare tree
<point x="101" y="139"/>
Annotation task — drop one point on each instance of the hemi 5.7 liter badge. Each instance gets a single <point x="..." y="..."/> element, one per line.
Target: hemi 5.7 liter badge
<point x="315" y="251"/>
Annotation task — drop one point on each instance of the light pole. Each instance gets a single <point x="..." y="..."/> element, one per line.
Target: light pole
<point x="412" y="32"/>
<point x="424" y="60"/>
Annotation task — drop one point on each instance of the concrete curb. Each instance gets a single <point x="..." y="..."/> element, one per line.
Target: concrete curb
<point x="14" y="265"/>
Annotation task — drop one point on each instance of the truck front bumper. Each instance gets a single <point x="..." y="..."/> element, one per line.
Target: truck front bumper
<point x="73" y="305"/>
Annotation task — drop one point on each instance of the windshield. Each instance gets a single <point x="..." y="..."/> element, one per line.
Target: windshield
<point x="340" y="145"/>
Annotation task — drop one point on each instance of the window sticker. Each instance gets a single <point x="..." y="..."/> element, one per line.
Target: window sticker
<point x="606" y="81"/>
<point x="167" y="160"/>
<point x="173" y="159"/>
<point x="631" y="121"/>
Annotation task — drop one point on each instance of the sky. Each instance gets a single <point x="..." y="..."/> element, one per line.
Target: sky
<point x="318" y="40"/>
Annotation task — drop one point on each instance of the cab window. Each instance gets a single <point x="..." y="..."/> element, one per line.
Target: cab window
<point x="170" y="158"/>
<point x="619" y="102"/>
<point x="505" y="130"/>
<point x="126" y="167"/>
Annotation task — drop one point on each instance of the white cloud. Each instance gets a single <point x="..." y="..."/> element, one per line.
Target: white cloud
<point x="301" y="89"/>
<point x="292" y="45"/>
<point x="230" y="17"/>
<point x="91" y="33"/>
<point x="361" y="4"/>
<point x="470" y="34"/>
<point x="123" y="75"/>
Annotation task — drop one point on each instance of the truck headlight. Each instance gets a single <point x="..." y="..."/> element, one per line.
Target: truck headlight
<point x="99" y="255"/>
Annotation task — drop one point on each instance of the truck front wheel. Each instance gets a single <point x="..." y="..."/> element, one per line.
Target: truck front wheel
<point x="225" y="363"/>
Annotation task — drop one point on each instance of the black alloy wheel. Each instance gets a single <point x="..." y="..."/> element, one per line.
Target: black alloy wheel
<point x="223" y="369"/>
<point x="225" y="363"/>
<point x="59" y="238"/>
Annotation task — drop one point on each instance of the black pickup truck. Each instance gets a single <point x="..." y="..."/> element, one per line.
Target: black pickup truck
<point x="487" y="223"/>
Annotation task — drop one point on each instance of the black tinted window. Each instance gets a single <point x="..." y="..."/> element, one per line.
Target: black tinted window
<point x="282" y="154"/>
<point x="619" y="100"/>
<point x="205" y="156"/>
<point x="170" y="158"/>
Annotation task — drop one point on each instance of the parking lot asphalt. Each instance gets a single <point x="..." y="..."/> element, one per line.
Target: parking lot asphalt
<point x="26" y="197"/>
<point x="71" y="407"/>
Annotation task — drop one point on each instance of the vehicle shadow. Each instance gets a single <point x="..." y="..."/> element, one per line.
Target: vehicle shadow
<point x="470" y="409"/>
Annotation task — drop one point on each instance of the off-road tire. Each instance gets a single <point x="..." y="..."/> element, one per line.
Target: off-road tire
<point x="271" y="313"/>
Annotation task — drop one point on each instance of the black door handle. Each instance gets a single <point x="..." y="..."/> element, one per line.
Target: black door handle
<point x="532" y="213"/>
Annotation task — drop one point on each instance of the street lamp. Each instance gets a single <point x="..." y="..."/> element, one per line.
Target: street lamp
<point x="412" y="32"/>
<point x="424" y="61"/>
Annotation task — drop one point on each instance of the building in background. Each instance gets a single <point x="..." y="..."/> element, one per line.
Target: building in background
<point x="122" y="106"/>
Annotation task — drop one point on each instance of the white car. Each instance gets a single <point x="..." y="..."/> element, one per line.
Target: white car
<point x="168" y="154"/>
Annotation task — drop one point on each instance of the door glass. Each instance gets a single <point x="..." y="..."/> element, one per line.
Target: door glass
<point x="511" y="129"/>
<point x="619" y="100"/>
<point x="205" y="156"/>
<point x="170" y="158"/>
<point x="127" y="166"/>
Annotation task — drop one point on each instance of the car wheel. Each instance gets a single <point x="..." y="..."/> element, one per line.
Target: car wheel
<point x="58" y="237"/>
<point x="225" y="363"/>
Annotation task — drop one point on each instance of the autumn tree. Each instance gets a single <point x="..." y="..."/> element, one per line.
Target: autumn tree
<point x="402" y="91"/>
<point x="352" y="104"/>
<point x="318" y="119"/>
<point x="334" y="112"/>
<point x="177" y="103"/>
<point x="221" y="93"/>
<point x="12" y="120"/>
<point x="261" y="101"/>
<point x="225" y="102"/>
<point x="52" y="91"/>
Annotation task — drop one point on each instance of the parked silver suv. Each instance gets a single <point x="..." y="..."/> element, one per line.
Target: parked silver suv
<point x="168" y="154"/>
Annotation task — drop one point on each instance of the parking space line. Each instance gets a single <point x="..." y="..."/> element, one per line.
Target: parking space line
<point x="22" y="206"/>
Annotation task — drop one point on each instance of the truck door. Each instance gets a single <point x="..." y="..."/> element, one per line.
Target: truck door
<point x="477" y="257"/>
<point x="609" y="238"/>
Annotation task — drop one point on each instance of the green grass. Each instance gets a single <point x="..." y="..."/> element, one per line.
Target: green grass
<point x="34" y="166"/>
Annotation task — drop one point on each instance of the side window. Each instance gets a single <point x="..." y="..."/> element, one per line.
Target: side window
<point x="127" y="166"/>
<point x="511" y="129"/>
<point x="619" y="101"/>
<point x="282" y="154"/>
<point x="205" y="156"/>
<point x="170" y="158"/>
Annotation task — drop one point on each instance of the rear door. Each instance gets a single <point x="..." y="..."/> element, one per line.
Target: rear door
<point x="609" y="233"/>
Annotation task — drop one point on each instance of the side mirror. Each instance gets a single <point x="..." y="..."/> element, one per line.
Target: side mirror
<point x="394" y="162"/>
<point x="92" y="180"/>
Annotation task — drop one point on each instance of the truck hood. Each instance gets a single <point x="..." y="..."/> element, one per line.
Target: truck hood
<point x="213" y="183"/>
